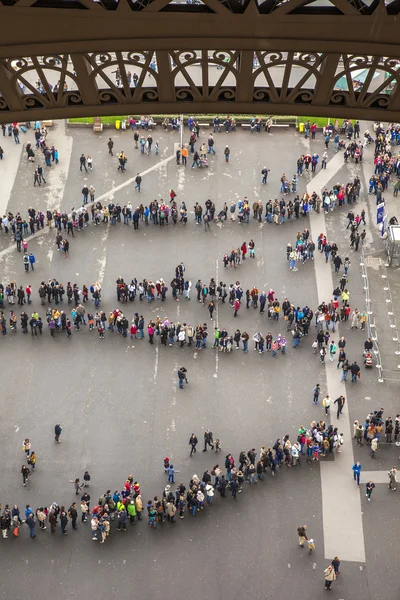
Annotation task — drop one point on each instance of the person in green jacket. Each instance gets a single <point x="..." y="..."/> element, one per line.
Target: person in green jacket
<point x="132" y="511"/>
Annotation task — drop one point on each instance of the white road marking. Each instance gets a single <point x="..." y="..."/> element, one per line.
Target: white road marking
<point x="343" y="532"/>
<point x="106" y="195"/>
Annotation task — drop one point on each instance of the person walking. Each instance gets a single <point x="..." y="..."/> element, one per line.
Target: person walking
<point x="369" y="489"/>
<point x="138" y="181"/>
<point x="110" y="145"/>
<point x="182" y="376"/>
<point x="326" y="402"/>
<point x="301" y="532"/>
<point x="57" y="431"/>
<point x="356" y="471"/>
<point x="208" y="440"/>
<point x="340" y="403"/>
<point x="316" y="393"/>
<point x="311" y="546"/>
<point x="193" y="441"/>
<point x="25" y="472"/>
<point x="330" y="576"/>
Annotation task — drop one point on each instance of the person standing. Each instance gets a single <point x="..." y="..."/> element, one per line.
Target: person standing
<point x="84" y="510"/>
<point x="227" y="153"/>
<point x="82" y="162"/>
<point x="73" y="514"/>
<point x="368" y="490"/>
<point x="193" y="441"/>
<point x="336" y="565"/>
<point x="301" y="532"/>
<point x="374" y="446"/>
<point x="171" y="473"/>
<point x="264" y="173"/>
<point x="30" y="521"/>
<point x="330" y="576"/>
<point x="53" y="518"/>
<point x="340" y="403"/>
<point x="41" y="517"/>
<point x="132" y="511"/>
<point x="122" y="519"/>
<point x="392" y="478"/>
<point x="356" y="471"/>
<point x="63" y="520"/>
<point x="57" y="431"/>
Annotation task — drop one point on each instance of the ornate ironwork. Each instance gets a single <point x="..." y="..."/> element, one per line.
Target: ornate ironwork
<point x="235" y="56"/>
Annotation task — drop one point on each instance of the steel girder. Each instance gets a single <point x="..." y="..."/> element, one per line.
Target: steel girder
<point x="276" y="57"/>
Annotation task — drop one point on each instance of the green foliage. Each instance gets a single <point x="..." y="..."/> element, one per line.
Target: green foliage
<point x="200" y="118"/>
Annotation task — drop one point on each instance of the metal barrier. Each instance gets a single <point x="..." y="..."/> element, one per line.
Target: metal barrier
<point x="384" y="374"/>
<point x="371" y="328"/>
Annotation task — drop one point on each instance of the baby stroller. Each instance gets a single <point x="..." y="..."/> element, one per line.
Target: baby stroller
<point x="203" y="162"/>
<point x="368" y="360"/>
<point x="221" y="216"/>
<point x="367" y="138"/>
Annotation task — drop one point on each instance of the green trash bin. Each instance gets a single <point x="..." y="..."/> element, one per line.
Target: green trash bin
<point x="117" y="124"/>
<point x="301" y="127"/>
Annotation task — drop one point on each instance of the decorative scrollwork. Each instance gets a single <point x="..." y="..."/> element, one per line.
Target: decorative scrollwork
<point x="149" y="95"/>
<point x="107" y="97"/>
<point x="34" y="102"/>
<point x="261" y="95"/>
<point x="227" y="94"/>
<point x="74" y="98"/>
<point x="339" y="98"/>
<point x="184" y="94"/>
<point x="303" y="97"/>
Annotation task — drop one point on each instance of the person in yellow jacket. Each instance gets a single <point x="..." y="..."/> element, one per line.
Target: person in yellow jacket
<point x="139" y="507"/>
<point x="32" y="460"/>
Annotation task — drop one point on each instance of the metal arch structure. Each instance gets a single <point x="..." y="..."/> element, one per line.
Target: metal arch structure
<point x="334" y="58"/>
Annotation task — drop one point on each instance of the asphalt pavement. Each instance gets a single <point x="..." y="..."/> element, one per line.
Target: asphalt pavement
<point x="122" y="411"/>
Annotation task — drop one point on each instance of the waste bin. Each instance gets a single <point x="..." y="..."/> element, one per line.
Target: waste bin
<point x="301" y="127"/>
<point x="117" y="124"/>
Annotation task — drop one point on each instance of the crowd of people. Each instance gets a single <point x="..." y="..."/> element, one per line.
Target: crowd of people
<point x="312" y="444"/>
<point x="126" y="504"/>
<point x="297" y="321"/>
